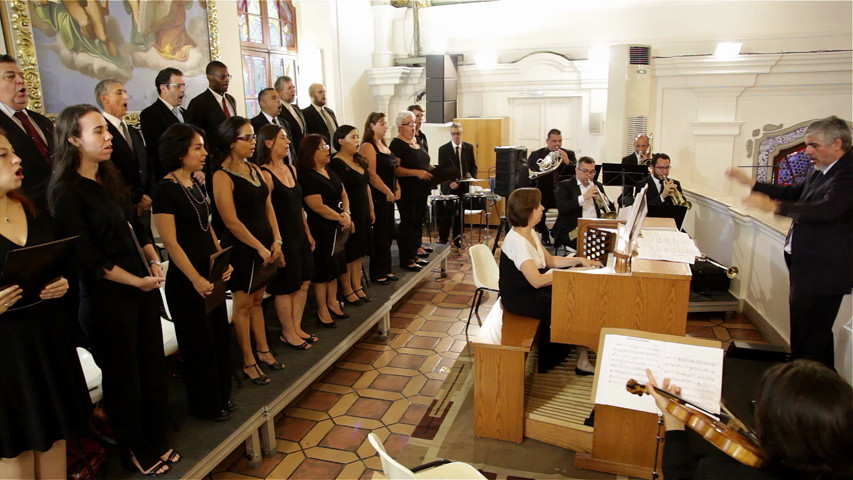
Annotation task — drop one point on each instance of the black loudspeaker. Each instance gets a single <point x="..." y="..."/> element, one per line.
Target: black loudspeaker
<point x="510" y="170"/>
<point x="441" y="84"/>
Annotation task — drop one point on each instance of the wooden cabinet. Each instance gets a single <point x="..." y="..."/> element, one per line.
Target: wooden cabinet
<point x="485" y="133"/>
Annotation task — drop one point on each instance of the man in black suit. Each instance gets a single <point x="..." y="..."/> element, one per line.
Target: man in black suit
<point x="212" y="106"/>
<point x="575" y="199"/>
<point x="819" y="246"/>
<point x="456" y="160"/>
<point x="165" y="111"/>
<point x="660" y="186"/>
<point x="319" y="118"/>
<point x="30" y="133"/>
<point x="641" y="151"/>
<point x="286" y="91"/>
<point x="270" y="114"/>
<point x="128" y="147"/>
<point x="547" y="183"/>
<point x="420" y="113"/>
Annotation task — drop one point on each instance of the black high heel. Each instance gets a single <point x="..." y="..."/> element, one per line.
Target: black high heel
<point x="339" y="316"/>
<point x="358" y="300"/>
<point x="275" y="365"/>
<point x="364" y="299"/>
<point x="263" y="379"/>
<point x="323" y="324"/>
<point x="392" y="277"/>
<point x="129" y="465"/>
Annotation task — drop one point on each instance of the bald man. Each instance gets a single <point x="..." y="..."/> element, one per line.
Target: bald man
<point x="319" y="118"/>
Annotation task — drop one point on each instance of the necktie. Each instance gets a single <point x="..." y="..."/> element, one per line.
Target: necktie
<point x="660" y="180"/>
<point x="177" y="112"/>
<point x="34" y="134"/>
<point x="330" y="124"/>
<point x="225" y="108"/>
<point x="126" y="135"/>
<point x="295" y="114"/>
<point x="275" y="121"/>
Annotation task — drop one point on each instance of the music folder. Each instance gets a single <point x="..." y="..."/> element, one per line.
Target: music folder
<point x="675" y="212"/>
<point x="33" y="268"/>
<point x="218" y="264"/>
<point x="262" y="275"/>
<point x="622" y="175"/>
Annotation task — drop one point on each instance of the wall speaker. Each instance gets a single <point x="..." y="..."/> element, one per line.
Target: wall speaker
<point x="511" y="170"/>
<point x="441" y="85"/>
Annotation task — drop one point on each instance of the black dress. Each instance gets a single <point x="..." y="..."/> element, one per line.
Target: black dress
<point x="355" y="184"/>
<point x="204" y="338"/>
<point x="250" y="197"/>
<point x="122" y="322"/>
<point x="299" y="263"/>
<point x="383" y="210"/>
<point x="43" y="396"/>
<point x="327" y="266"/>
<point x="413" y="199"/>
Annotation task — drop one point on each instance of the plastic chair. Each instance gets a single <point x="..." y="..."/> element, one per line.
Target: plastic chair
<point x="92" y="373"/>
<point x="486" y="275"/>
<point x="444" y="469"/>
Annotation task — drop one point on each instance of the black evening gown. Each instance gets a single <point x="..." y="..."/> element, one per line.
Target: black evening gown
<point x="250" y="197"/>
<point x="355" y="184"/>
<point x="383" y="210"/>
<point x="413" y="199"/>
<point x="204" y="338"/>
<point x="327" y="266"/>
<point x="43" y="396"/>
<point x="299" y="263"/>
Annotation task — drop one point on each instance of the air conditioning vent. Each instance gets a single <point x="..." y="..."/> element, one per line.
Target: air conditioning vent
<point x="639" y="55"/>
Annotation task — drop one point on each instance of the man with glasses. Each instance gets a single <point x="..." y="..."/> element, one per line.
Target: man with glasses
<point x="161" y="114"/>
<point x="210" y="108"/>
<point x="575" y="198"/>
<point x="455" y="161"/>
<point x="659" y="191"/>
<point x="30" y="134"/>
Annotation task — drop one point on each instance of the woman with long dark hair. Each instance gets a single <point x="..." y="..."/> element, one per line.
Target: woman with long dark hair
<point x="182" y="216"/>
<point x="328" y="213"/>
<point x="385" y="190"/>
<point x="37" y="358"/>
<point x="119" y="298"/>
<point x="290" y="287"/>
<point x="251" y="229"/>
<point x="351" y="168"/>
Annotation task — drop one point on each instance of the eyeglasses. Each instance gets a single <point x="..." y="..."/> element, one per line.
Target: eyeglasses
<point x="219" y="75"/>
<point x="323" y="147"/>
<point x="180" y="86"/>
<point x="248" y="138"/>
<point x="584" y="170"/>
<point x="406" y="124"/>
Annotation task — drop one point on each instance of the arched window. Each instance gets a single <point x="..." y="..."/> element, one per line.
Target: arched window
<point x="268" y="41"/>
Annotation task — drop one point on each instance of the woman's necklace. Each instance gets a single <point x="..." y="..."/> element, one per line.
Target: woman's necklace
<point x="6" y="209"/>
<point x="251" y="177"/>
<point x="202" y="200"/>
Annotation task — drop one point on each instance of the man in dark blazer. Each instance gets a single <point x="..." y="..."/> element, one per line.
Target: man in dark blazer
<point x="659" y="191"/>
<point x="161" y="114"/>
<point x="641" y="151"/>
<point x="128" y="147"/>
<point x="286" y="91"/>
<point x="211" y="107"/>
<point x="456" y="161"/>
<point x="547" y="183"/>
<point x="575" y="198"/>
<point x="30" y="133"/>
<point x="270" y="114"/>
<point x="819" y="246"/>
<point x="319" y="118"/>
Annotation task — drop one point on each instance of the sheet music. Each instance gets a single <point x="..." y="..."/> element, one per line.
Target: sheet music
<point x="697" y="370"/>
<point x="669" y="245"/>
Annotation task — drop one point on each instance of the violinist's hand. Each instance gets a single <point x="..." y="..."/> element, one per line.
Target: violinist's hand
<point x="670" y="422"/>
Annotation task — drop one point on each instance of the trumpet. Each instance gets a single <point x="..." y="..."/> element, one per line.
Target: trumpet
<point x="676" y="195"/>
<point x="547" y="164"/>
<point x="603" y="204"/>
<point x="731" y="272"/>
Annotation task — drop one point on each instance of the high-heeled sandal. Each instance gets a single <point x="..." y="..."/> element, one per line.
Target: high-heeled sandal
<point x="275" y="365"/>
<point x="173" y="457"/>
<point x="131" y="464"/>
<point x="356" y="303"/>
<point x="311" y="338"/>
<point x="298" y="346"/>
<point x="263" y="379"/>
<point x="364" y="299"/>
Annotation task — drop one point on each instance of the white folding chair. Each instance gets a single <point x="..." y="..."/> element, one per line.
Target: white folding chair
<point x="92" y="373"/>
<point x="486" y="275"/>
<point x="440" y="469"/>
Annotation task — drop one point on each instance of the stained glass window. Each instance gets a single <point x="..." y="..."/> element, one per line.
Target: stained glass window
<point x="793" y="167"/>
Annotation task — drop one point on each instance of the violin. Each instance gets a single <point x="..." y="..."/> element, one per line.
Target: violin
<point x="722" y="436"/>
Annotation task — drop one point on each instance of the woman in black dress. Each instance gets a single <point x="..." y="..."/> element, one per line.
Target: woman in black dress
<point x="182" y="216"/>
<point x="351" y="168"/>
<point x="328" y="212"/>
<point x="119" y="297"/>
<point x="43" y="397"/>
<point x="243" y="201"/>
<point x="385" y="190"/>
<point x="526" y="276"/>
<point x="413" y="174"/>
<point x="290" y="287"/>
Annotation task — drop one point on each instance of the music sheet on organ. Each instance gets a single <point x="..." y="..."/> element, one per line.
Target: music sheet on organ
<point x="697" y="369"/>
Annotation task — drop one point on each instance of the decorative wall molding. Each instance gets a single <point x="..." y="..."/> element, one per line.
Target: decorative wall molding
<point x="731" y="129"/>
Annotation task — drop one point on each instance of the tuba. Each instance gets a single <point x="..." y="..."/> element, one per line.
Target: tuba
<point x="547" y="164"/>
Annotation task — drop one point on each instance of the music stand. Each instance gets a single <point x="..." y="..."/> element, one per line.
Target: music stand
<point x="675" y="212"/>
<point x="622" y="175"/>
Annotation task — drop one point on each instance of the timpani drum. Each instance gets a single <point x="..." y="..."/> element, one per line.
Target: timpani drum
<point x="445" y="206"/>
<point x="475" y="201"/>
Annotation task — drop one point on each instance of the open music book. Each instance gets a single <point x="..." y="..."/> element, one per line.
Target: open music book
<point x="693" y="364"/>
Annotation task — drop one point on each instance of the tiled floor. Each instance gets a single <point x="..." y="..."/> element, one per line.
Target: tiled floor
<point x="388" y="385"/>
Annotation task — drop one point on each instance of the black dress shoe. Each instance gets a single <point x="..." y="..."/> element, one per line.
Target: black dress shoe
<point x="422" y="263"/>
<point x="426" y="249"/>
<point x="382" y="281"/>
<point x="423" y="255"/>
<point x="230" y="406"/>
<point x="582" y="373"/>
<point x="392" y="277"/>
<point x="221" y="416"/>
<point x="323" y="324"/>
<point x="338" y="316"/>
<point x="357" y="302"/>
<point x="413" y="268"/>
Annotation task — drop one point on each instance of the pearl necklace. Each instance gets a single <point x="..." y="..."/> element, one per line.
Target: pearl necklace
<point x="193" y="201"/>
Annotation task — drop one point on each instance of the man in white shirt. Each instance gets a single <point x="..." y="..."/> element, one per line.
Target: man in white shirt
<point x="271" y="114"/>
<point x="660" y="186"/>
<point x="290" y="111"/>
<point x="319" y="118"/>
<point x="455" y="162"/>
<point x="214" y="105"/>
<point x="576" y="198"/>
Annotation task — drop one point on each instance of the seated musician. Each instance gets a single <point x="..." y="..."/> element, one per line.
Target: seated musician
<point x="576" y="198"/>
<point x="526" y="278"/>
<point x="660" y="185"/>
<point x="457" y="157"/>
<point x="804" y="426"/>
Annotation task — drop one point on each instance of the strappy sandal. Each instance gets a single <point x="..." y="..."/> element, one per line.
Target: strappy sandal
<point x="365" y="298"/>
<point x="263" y="379"/>
<point x="173" y="457"/>
<point x="302" y="346"/>
<point x="132" y="464"/>
<point x="275" y="365"/>
<point x="311" y="338"/>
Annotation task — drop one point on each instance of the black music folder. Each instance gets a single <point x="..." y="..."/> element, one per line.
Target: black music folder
<point x="262" y="275"/>
<point x="218" y="264"/>
<point x="675" y="212"/>
<point x="33" y="268"/>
